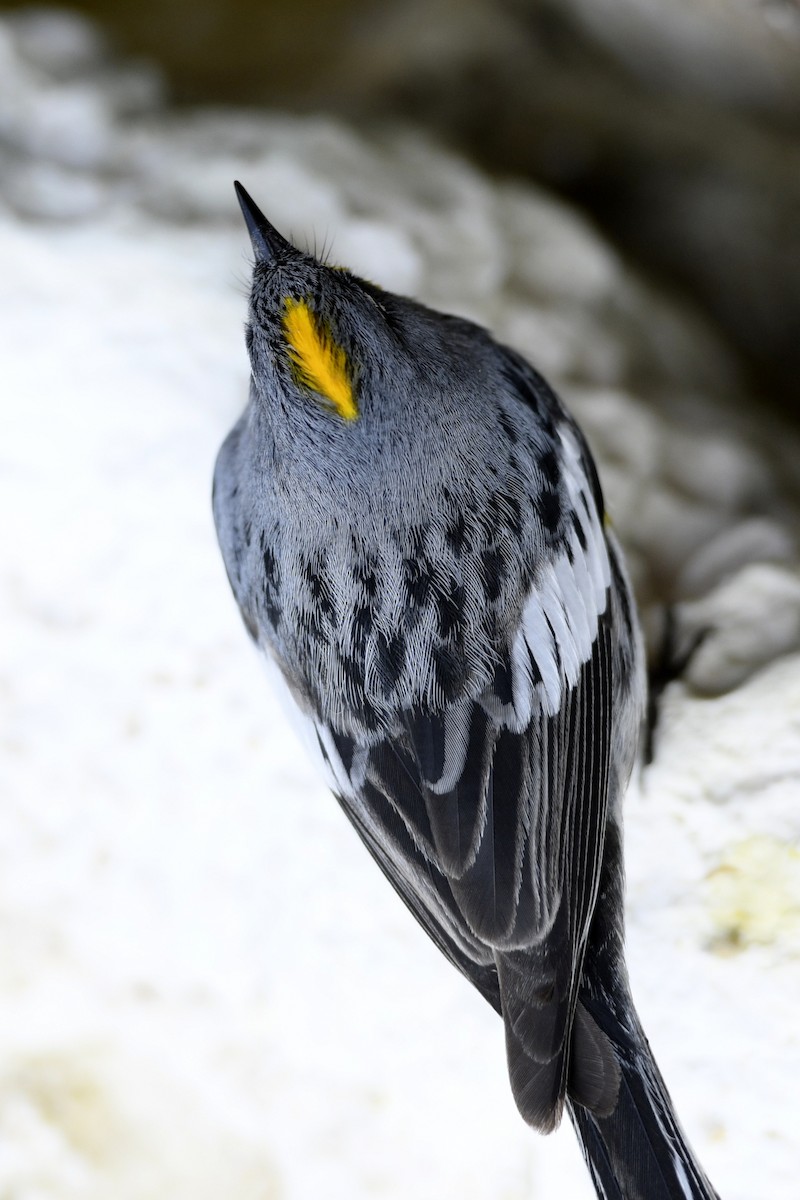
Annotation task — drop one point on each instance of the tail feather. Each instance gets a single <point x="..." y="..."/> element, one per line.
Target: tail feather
<point x="638" y="1151"/>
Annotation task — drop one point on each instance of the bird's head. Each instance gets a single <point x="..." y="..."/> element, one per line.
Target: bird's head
<point x="337" y="358"/>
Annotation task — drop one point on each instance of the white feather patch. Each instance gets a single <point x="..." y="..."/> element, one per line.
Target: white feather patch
<point x="561" y="615"/>
<point x="456" y="737"/>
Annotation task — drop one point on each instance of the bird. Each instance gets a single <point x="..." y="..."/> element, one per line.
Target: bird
<point x="414" y="530"/>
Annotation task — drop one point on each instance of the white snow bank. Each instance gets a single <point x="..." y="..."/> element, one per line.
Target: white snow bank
<point x="206" y="989"/>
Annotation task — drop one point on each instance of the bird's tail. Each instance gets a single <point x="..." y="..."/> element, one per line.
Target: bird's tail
<point x="638" y="1151"/>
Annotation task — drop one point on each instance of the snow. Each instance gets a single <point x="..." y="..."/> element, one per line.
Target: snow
<point x="206" y="988"/>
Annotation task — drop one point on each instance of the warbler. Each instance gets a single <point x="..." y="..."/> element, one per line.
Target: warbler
<point x="415" y="533"/>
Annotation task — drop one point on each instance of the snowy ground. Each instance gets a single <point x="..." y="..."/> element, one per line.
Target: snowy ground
<point x="206" y="988"/>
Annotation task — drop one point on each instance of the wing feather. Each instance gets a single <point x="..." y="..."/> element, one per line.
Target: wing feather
<point x="506" y="862"/>
<point x="488" y="814"/>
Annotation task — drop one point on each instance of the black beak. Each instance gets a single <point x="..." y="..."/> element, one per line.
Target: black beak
<point x="267" y="242"/>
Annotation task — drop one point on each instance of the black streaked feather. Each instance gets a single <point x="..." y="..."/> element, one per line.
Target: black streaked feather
<point x="456" y="816"/>
<point x="510" y="856"/>
<point x="427" y="734"/>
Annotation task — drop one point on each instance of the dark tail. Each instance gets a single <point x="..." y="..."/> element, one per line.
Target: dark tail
<point x="639" y="1151"/>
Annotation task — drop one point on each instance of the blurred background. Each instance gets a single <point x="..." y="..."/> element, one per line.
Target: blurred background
<point x="676" y="127"/>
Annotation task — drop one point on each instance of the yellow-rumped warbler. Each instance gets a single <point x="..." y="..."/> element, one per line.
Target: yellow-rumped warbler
<point x="415" y="533"/>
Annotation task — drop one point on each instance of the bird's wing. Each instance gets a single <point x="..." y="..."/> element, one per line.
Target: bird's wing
<point x="489" y="816"/>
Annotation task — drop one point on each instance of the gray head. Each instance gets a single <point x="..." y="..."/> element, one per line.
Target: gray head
<point x="352" y="373"/>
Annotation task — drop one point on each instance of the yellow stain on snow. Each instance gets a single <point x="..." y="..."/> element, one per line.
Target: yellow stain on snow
<point x="321" y="364"/>
<point x="754" y="896"/>
<point x="99" y="1120"/>
<point x="67" y="1097"/>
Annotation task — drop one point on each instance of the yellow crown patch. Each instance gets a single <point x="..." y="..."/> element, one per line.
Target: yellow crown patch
<point x="320" y="363"/>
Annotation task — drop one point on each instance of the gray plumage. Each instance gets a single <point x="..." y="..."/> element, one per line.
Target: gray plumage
<point x="415" y="533"/>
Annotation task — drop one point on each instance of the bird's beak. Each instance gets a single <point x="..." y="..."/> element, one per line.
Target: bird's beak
<point x="267" y="242"/>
